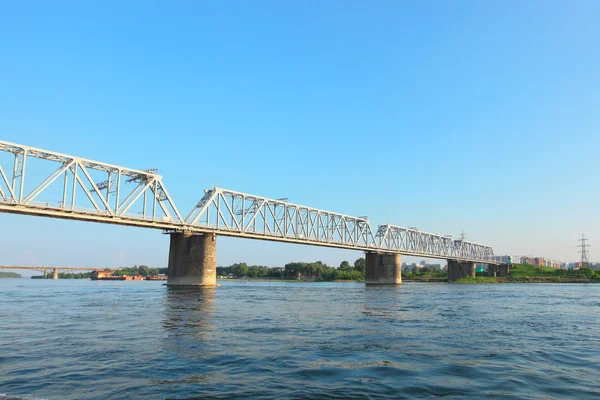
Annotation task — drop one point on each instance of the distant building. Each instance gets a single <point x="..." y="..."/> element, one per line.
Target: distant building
<point x="508" y="259"/>
<point x="553" y="264"/>
<point x="106" y="275"/>
<point x="100" y="274"/>
<point x="539" y="261"/>
<point x="575" y="265"/>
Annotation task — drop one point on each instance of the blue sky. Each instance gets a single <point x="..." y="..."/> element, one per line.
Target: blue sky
<point x="445" y="116"/>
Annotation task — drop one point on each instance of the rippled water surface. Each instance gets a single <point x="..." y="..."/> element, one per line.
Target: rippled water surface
<point x="97" y="340"/>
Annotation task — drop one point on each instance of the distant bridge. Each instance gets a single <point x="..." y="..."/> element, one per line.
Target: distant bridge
<point x="55" y="270"/>
<point x="45" y="183"/>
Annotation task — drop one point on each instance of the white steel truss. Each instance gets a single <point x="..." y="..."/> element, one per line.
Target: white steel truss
<point x="411" y="241"/>
<point x="112" y="198"/>
<point x="254" y="216"/>
<point x="119" y="195"/>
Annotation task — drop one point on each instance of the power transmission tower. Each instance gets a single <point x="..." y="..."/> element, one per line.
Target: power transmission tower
<point x="463" y="236"/>
<point x="584" y="252"/>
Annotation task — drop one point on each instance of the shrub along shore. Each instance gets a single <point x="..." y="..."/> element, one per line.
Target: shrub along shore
<point x="525" y="273"/>
<point x="320" y="272"/>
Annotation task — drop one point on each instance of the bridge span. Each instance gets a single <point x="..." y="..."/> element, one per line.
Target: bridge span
<point x="45" y="183"/>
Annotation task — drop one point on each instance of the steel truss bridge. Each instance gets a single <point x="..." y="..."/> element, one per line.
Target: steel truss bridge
<point x="45" y="183"/>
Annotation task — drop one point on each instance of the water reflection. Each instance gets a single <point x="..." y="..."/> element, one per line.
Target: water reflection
<point x="188" y="313"/>
<point x="384" y="301"/>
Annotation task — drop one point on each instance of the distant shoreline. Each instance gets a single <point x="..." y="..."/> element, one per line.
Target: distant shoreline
<point x="504" y="280"/>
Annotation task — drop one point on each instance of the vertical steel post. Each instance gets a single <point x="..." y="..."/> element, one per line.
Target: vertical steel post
<point x="208" y="214"/>
<point x="65" y="184"/>
<point x="285" y="220"/>
<point x="155" y="200"/>
<point x="22" y="175"/>
<point x="118" y="191"/>
<point x="218" y="208"/>
<point x="74" y="185"/>
<point x="232" y="210"/>
<point x="14" y="177"/>
<point x="318" y="215"/>
<point x="14" y="174"/>
<point x="296" y="220"/>
<point x="108" y="189"/>
<point x="243" y="216"/>
<point x="255" y="206"/>
<point x="145" y="199"/>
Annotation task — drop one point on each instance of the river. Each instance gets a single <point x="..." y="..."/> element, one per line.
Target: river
<point x="76" y="339"/>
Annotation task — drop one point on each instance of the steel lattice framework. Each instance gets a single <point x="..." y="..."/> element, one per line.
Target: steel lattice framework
<point x="111" y="198"/>
<point x="411" y="241"/>
<point x="124" y="196"/>
<point x="245" y="214"/>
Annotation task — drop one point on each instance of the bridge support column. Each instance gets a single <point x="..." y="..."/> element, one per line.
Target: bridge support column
<point x="498" y="270"/>
<point x="383" y="269"/>
<point x="45" y="274"/>
<point x="503" y="269"/>
<point x="459" y="270"/>
<point x="55" y="273"/>
<point x="192" y="260"/>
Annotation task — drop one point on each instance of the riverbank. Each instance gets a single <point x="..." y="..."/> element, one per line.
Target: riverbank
<point x="527" y="279"/>
<point x="9" y="275"/>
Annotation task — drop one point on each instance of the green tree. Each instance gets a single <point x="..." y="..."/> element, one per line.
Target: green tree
<point x="143" y="270"/>
<point x="345" y="265"/>
<point x="9" y="275"/>
<point x="242" y="270"/>
<point x="360" y="264"/>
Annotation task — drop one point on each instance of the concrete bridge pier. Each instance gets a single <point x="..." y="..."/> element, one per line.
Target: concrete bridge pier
<point x="458" y="270"/>
<point x="192" y="259"/>
<point x="55" y="273"/>
<point x="498" y="270"/>
<point x="383" y="269"/>
<point x="45" y="273"/>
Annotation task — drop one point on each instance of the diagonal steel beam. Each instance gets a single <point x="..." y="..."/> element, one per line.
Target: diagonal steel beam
<point x="47" y="182"/>
<point x="10" y="190"/>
